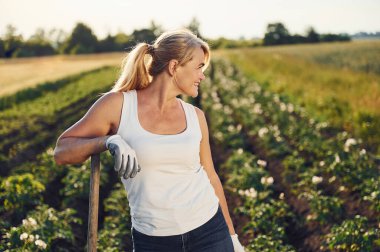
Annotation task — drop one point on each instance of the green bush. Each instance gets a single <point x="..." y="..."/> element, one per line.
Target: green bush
<point x="19" y="191"/>
<point x="352" y="235"/>
<point x="40" y="230"/>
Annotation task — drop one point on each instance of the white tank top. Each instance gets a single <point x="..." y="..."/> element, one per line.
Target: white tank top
<point x="172" y="193"/>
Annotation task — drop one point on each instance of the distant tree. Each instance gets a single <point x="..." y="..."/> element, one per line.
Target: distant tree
<point x="57" y="38"/>
<point x="156" y="29"/>
<point x="276" y="34"/>
<point x="39" y="36"/>
<point x="123" y="41"/>
<point x="297" y="39"/>
<point x="37" y="45"/>
<point x="334" y="37"/>
<point x="82" y="40"/>
<point x="108" y="44"/>
<point x="12" y="41"/>
<point x="312" y="36"/>
<point x="2" y="49"/>
<point x="143" y="35"/>
<point x="194" y="26"/>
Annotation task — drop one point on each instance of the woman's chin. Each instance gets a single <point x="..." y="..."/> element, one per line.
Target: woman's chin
<point x="194" y="94"/>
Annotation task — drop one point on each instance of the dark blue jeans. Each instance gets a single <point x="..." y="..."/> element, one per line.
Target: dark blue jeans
<point x="213" y="236"/>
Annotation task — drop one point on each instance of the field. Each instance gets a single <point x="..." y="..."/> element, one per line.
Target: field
<point x="17" y="74"/>
<point x="338" y="82"/>
<point x="296" y="177"/>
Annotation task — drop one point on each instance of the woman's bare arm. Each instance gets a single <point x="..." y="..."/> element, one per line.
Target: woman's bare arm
<point x="89" y="134"/>
<point x="208" y="165"/>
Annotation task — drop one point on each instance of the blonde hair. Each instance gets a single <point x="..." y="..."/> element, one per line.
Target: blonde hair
<point x="137" y="71"/>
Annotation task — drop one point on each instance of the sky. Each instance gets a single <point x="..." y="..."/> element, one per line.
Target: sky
<point x="218" y="18"/>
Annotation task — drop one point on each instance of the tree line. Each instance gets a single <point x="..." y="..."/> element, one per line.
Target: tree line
<point x="82" y="40"/>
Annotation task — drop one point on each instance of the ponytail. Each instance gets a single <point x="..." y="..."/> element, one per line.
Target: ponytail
<point x="134" y="71"/>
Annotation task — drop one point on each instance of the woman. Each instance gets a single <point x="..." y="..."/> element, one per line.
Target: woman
<point x="161" y="148"/>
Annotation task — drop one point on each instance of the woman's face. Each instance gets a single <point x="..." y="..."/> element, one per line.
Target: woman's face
<point x="189" y="76"/>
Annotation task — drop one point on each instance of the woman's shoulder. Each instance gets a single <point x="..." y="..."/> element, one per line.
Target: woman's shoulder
<point x="197" y="110"/>
<point x="111" y="98"/>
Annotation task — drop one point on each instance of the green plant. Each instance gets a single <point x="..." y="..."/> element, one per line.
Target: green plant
<point x="323" y="208"/>
<point x="352" y="235"/>
<point x="20" y="191"/>
<point x="267" y="243"/>
<point x="40" y="229"/>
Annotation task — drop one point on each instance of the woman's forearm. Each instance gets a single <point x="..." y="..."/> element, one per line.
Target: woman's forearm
<point x="75" y="150"/>
<point x="223" y="203"/>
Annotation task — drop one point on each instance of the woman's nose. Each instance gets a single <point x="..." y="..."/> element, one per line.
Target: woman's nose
<point x="203" y="76"/>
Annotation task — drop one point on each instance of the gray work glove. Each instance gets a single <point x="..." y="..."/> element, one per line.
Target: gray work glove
<point x="125" y="157"/>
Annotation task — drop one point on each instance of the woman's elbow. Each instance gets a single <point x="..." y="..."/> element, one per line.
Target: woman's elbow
<point x="58" y="157"/>
<point x="62" y="157"/>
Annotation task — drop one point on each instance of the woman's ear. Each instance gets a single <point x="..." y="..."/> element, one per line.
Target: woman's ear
<point x="173" y="66"/>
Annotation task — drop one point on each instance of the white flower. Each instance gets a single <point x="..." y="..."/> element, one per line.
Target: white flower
<point x="290" y="107"/>
<point x="282" y="196"/>
<point x="316" y="180"/>
<point x="257" y="108"/>
<point x="227" y="110"/>
<point x="348" y="143"/>
<point x="32" y="221"/>
<point x="311" y="217"/>
<point x="362" y="152"/>
<point x="29" y="222"/>
<point x="321" y="163"/>
<point x="337" y="159"/>
<point x="219" y="135"/>
<point x="239" y="127"/>
<point x="262" y="162"/>
<point x="251" y="192"/>
<point x="263" y="180"/>
<point x="263" y="131"/>
<point x="52" y="217"/>
<point x="282" y="106"/>
<point x="373" y="195"/>
<point x="23" y="236"/>
<point x="40" y="243"/>
<point x="50" y="151"/>
<point x="276" y="98"/>
<point x="332" y="179"/>
<point x="266" y="180"/>
<point x="342" y="188"/>
<point x="240" y="151"/>
<point x="31" y="238"/>
<point x="270" y="180"/>
<point x="217" y="106"/>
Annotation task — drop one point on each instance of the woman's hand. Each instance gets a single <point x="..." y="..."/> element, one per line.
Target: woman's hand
<point x="237" y="246"/>
<point x="125" y="157"/>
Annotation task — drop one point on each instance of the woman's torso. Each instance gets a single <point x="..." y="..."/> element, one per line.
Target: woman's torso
<point x="172" y="193"/>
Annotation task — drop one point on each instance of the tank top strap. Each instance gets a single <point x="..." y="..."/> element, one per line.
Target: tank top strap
<point x="192" y="116"/>
<point x="127" y="112"/>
